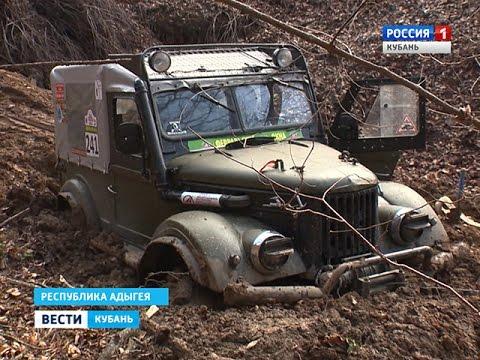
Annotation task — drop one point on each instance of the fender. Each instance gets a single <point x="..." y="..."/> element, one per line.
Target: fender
<point x="207" y="242"/>
<point x="76" y="193"/>
<point x="401" y="195"/>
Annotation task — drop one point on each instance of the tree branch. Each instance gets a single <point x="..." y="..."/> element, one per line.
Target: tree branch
<point x="463" y="115"/>
<point x="349" y="20"/>
<point x="56" y="63"/>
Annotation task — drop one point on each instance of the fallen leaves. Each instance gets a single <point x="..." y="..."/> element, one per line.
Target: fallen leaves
<point x="14" y="292"/>
<point x="152" y="310"/>
<point x="73" y="351"/>
<point x="469" y="220"/>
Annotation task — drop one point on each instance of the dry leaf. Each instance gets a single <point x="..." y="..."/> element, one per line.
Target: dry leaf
<point x="14" y="292"/>
<point x="4" y="348"/>
<point x="152" y="310"/>
<point x="335" y="340"/>
<point x="33" y="338"/>
<point x="251" y="344"/>
<point x="72" y="349"/>
<point x="469" y="221"/>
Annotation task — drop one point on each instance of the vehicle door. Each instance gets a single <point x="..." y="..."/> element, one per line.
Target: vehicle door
<point x="376" y="120"/>
<point x="136" y="199"/>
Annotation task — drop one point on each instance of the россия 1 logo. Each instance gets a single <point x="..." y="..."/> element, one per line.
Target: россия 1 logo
<point x="417" y="39"/>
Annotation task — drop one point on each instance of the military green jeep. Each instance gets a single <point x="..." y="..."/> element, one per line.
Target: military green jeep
<point x="215" y="159"/>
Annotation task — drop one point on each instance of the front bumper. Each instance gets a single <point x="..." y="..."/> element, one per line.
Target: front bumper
<point x="246" y="294"/>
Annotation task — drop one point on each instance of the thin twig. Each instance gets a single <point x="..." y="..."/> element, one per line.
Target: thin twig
<point x="11" y="337"/>
<point x="21" y="282"/>
<point x="16" y="216"/>
<point x="354" y="14"/>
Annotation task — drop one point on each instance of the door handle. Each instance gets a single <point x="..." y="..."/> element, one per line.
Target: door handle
<point x="111" y="189"/>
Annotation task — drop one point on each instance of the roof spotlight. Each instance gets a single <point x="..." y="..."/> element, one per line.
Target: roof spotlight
<point x="160" y="61"/>
<point x="282" y="57"/>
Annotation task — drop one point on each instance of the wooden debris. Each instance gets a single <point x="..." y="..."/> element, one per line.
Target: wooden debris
<point x="16" y="216"/>
<point x="245" y="294"/>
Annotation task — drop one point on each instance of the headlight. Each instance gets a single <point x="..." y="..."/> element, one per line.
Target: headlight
<point x="408" y="225"/>
<point x="282" y="57"/>
<point x="270" y="250"/>
<point x="160" y="61"/>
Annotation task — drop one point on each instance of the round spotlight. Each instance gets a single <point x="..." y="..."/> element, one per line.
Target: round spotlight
<point x="282" y="57"/>
<point x="160" y="61"/>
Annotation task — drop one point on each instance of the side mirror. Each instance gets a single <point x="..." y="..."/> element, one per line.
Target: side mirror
<point x="129" y="138"/>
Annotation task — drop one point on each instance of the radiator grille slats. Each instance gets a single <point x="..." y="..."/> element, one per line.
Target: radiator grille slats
<point x="324" y="241"/>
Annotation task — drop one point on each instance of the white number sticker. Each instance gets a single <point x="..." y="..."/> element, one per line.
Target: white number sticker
<point x="91" y="144"/>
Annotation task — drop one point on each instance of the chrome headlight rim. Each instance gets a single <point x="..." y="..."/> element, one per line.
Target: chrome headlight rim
<point x="256" y="251"/>
<point x="283" y="57"/>
<point x="160" y="65"/>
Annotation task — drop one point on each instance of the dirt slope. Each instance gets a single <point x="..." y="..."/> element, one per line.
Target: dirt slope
<point x="415" y="322"/>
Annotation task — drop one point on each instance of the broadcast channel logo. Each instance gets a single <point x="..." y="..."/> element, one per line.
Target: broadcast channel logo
<point x="417" y="39"/>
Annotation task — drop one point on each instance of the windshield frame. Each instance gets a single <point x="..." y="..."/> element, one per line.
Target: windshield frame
<point x="228" y="85"/>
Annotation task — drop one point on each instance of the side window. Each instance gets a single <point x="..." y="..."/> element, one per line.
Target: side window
<point x="125" y="111"/>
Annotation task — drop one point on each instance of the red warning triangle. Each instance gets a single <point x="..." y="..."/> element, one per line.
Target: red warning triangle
<point x="408" y="126"/>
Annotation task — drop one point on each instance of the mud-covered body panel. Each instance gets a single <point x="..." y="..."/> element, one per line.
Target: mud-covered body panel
<point x="211" y="239"/>
<point x="402" y="196"/>
<point x="322" y="168"/>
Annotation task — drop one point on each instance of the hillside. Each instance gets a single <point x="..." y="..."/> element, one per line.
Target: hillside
<point x="42" y="248"/>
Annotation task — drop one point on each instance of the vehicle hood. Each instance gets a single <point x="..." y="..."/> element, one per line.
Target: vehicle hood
<point x="323" y="168"/>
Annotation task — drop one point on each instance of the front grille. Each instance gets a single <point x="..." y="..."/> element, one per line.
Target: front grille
<point x="323" y="241"/>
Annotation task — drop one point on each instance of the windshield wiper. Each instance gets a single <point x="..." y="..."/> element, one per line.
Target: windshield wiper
<point x="197" y="89"/>
<point x="253" y="141"/>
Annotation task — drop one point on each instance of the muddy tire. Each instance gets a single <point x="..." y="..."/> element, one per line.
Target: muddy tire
<point x="76" y="217"/>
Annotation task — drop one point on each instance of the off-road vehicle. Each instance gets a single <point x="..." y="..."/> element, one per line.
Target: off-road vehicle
<point x="215" y="158"/>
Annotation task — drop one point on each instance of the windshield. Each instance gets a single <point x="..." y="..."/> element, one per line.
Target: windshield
<point x="233" y="109"/>
<point x="183" y="111"/>
<point x="266" y="105"/>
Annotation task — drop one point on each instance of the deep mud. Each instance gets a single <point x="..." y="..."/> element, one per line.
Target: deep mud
<point x="418" y="321"/>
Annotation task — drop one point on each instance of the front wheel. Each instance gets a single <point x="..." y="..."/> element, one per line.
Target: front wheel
<point x="167" y="269"/>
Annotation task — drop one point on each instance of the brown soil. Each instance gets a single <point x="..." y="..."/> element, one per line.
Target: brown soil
<point x="416" y="321"/>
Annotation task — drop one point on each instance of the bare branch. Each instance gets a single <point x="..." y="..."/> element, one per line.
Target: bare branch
<point x="463" y="115"/>
<point x="349" y="20"/>
<point x="56" y="63"/>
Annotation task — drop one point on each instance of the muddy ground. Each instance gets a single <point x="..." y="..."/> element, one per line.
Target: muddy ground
<point x="417" y="321"/>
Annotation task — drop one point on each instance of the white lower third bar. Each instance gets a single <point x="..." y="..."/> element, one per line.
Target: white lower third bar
<point x="61" y="319"/>
<point x="417" y="47"/>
